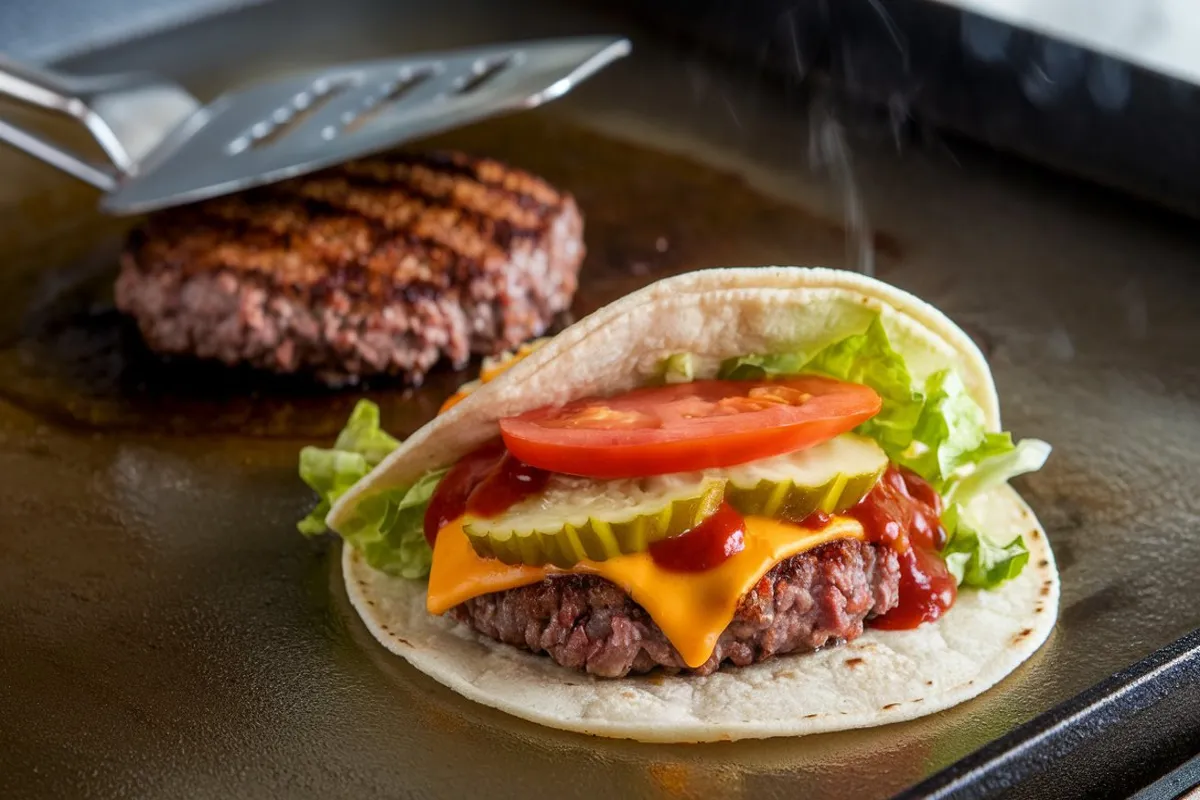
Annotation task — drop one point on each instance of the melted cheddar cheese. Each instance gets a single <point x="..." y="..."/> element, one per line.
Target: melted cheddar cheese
<point x="691" y="608"/>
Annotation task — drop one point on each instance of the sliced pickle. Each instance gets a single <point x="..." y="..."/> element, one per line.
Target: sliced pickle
<point x="829" y="477"/>
<point x="574" y="519"/>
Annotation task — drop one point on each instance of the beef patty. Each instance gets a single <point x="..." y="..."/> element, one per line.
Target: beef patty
<point x="378" y="266"/>
<point x="586" y="623"/>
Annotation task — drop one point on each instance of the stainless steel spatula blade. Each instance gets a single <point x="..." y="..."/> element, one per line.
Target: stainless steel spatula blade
<point x="293" y="125"/>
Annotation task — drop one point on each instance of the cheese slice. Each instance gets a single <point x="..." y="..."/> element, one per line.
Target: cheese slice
<point x="691" y="608"/>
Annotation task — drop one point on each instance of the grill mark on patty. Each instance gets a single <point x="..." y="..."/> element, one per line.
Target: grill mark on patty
<point x="527" y="190"/>
<point x="460" y="238"/>
<point x="512" y="204"/>
<point x="366" y="227"/>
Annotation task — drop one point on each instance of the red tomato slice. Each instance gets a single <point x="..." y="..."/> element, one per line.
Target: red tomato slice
<point x="689" y="426"/>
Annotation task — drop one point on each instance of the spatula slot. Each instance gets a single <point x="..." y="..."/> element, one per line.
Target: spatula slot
<point x="390" y="93"/>
<point x="481" y="72"/>
<point x="284" y="119"/>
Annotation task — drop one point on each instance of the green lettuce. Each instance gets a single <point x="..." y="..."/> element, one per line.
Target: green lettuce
<point x="330" y="472"/>
<point x="387" y="528"/>
<point x="868" y="358"/>
<point x="999" y="461"/>
<point x="757" y="367"/>
<point x="677" y="368"/>
<point x="936" y="429"/>
<point x="973" y="559"/>
<point x="977" y="561"/>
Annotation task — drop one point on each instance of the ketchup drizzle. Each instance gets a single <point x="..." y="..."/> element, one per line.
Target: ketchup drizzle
<point x="705" y="546"/>
<point x="485" y="482"/>
<point x="449" y="501"/>
<point x="903" y="511"/>
<point x="508" y="483"/>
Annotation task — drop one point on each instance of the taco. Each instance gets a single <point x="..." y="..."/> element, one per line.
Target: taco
<point x="737" y="503"/>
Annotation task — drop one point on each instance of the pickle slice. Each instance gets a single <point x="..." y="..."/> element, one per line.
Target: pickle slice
<point x="574" y="519"/>
<point x="829" y="477"/>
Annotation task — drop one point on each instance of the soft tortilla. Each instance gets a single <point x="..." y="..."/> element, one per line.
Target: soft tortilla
<point x="883" y="676"/>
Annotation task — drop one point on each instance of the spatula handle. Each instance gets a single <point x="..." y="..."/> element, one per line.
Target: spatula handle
<point x="59" y="93"/>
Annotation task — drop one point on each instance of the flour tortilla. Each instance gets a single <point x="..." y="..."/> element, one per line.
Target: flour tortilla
<point x="881" y="677"/>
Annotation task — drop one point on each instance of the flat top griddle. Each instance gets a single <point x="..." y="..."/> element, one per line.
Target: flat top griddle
<point x="164" y="631"/>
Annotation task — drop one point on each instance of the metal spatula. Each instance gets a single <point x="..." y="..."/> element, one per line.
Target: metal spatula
<point x="166" y="149"/>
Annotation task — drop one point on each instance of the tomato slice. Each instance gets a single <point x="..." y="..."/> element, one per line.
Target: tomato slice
<point x="689" y="426"/>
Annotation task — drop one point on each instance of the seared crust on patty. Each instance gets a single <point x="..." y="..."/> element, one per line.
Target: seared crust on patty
<point x="379" y="266"/>
<point x="586" y="623"/>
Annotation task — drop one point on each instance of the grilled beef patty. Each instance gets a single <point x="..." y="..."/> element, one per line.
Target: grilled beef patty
<point x="379" y="266"/>
<point x="589" y="624"/>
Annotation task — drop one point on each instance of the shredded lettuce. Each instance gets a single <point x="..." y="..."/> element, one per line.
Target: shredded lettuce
<point x="678" y="368"/>
<point x="937" y="430"/>
<point x="949" y="432"/>
<point x="868" y="358"/>
<point x="977" y="561"/>
<point x="387" y="528"/>
<point x="757" y="367"/>
<point x="1000" y="460"/>
<point x="331" y="472"/>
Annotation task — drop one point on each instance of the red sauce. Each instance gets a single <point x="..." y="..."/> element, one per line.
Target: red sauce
<point x="816" y="520"/>
<point x="903" y="512"/>
<point x="927" y="590"/>
<point x="449" y="501"/>
<point x="705" y="546"/>
<point x="485" y="482"/>
<point x="508" y="483"/>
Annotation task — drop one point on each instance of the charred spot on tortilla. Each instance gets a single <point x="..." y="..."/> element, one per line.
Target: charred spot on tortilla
<point x="379" y="267"/>
<point x="716" y="571"/>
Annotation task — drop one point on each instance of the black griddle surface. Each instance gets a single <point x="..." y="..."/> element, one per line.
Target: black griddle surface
<point x="164" y="631"/>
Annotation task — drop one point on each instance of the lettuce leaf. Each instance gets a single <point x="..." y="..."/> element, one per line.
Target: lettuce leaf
<point x="330" y="472"/>
<point x="363" y="434"/>
<point x="387" y="528"/>
<point x="757" y="367"/>
<point x="999" y="461"/>
<point x="974" y="559"/>
<point x="868" y="358"/>
<point x="977" y="561"/>
<point x="677" y="368"/>
<point x="949" y="433"/>
<point x="937" y="430"/>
